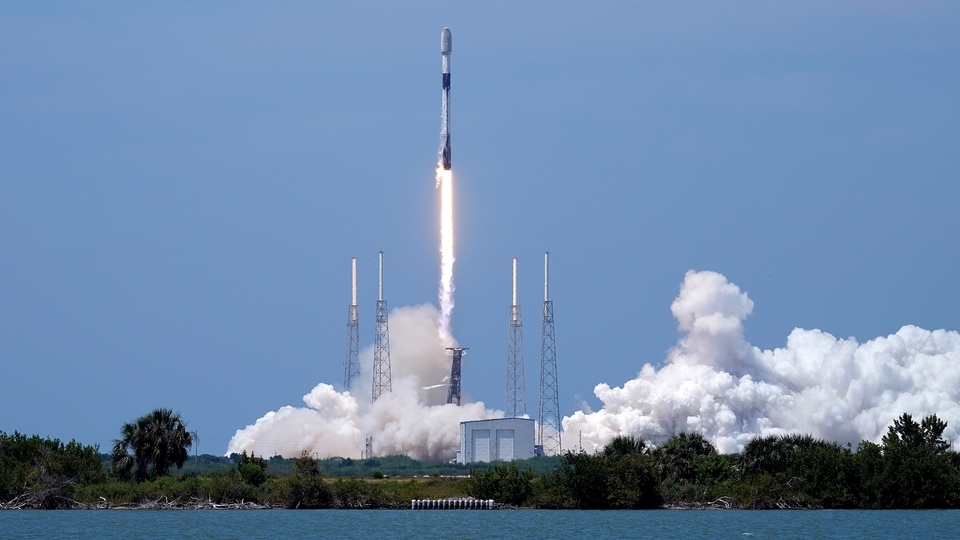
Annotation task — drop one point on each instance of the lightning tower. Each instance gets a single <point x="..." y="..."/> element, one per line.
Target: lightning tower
<point x="351" y="364"/>
<point x="516" y="403"/>
<point x="453" y="392"/>
<point x="548" y="435"/>
<point x="381" y="345"/>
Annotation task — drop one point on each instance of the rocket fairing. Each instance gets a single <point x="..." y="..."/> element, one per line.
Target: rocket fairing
<point x="446" y="47"/>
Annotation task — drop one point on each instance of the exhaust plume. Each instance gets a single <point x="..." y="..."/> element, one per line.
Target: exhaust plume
<point x="445" y="183"/>
<point x="410" y="420"/>
<point x="715" y="383"/>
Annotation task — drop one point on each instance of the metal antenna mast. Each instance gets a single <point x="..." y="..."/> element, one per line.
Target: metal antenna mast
<point x="453" y="392"/>
<point x="368" y="448"/>
<point x="548" y="436"/>
<point x="351" y="365"/>
<point x="381" y="345"/>
<point x="516" y="405"/>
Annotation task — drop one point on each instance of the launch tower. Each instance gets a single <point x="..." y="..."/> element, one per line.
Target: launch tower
<point x="453" y="393"/>
<point x="381" y="345"/>
<point x="351" y="364"/>
<point x="548" y="434"/>
<point x="516" y="402"/>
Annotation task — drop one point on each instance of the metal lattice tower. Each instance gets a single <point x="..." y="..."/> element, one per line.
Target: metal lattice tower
<point x="453" y="392"/>
<point x="351" y="364"/>
<point x="381" y="345"/>
<point x="548" y="435"/>
<point x="368" y="448"/>
<point x="516" y="403"/>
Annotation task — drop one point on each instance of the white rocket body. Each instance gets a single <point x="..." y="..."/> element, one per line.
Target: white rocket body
<point x="446" y="47"/>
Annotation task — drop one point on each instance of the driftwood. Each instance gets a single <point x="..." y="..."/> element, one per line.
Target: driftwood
<point x="722" y="502"/>
<point x="725" y="503"/>
<point x="37" y="500"/>
<point x="163" y="503"/>
<point x="729" y="503"/>
<point x="48" y="498"/>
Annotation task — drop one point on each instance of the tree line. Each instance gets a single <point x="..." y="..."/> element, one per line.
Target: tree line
<point x="912" y="467"/>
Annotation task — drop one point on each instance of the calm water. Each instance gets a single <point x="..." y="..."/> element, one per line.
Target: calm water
<point x="375" y="524"/>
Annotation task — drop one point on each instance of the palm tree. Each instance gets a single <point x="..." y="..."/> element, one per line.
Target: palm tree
<point x="760" y="456"/>
<point x="158" y="439"/>
<point x="677" y="458"/>
<point x="625" y="445"/>
<point x="774" y="454"/>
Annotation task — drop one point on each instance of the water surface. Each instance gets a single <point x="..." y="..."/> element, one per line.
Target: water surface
<point x="452" y="524"/>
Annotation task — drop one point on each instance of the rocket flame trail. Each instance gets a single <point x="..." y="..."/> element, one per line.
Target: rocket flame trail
<point x="445" y="182"/>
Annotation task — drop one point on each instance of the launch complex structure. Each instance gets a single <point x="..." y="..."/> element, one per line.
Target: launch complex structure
<point x="548" y="426"/>
<point x="548" y="431"/>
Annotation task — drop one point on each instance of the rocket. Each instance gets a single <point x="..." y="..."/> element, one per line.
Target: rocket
<point x="446" y="47"/>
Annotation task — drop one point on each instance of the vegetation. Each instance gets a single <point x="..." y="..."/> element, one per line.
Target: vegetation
<point x="252" y="469"/>
<point x="912" y="467"/>
<point x="158" y="440"/>
<point x="621" y="477"/>
<point x="306" y="488"/>
<point x="506" y="484"/>
<point x="41" y="473"/>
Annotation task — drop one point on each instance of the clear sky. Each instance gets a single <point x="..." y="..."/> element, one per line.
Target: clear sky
<point x="182" y="185"/>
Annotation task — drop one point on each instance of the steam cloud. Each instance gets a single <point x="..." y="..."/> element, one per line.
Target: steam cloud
<point x="715" y="383"/>
<point x="410" y="420"/>
<point x="712" y="382"/>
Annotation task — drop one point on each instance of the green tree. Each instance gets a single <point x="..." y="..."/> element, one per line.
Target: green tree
<point x="306" y="488"/>
<point x="761" y="455"/>
<point x="869" y="473"/>
<point x="630" y="482"/>
<point x="622" y="478"/>
<point x="624" y="445"/>
<point x="680" y="458"/>
<point x="150" y="445"/>
<point x="502" y="483"/>
<point x="577" y="482"/>
<point x="923" y="438"/>
<point x="917" y="472"/>
<point x="353" y="492"/>
<point x="797" y="470"/>
<point x="775" y="454"/>
<point x="252" y="469"/>
<point x="42" y="473"/>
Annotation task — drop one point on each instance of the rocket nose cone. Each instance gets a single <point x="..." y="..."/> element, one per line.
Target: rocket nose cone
<point x="446" y="41"/>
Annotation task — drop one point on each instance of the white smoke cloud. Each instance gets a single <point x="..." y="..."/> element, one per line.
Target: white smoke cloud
<point x="407" y="421"/>
<point x="715" y="383"/>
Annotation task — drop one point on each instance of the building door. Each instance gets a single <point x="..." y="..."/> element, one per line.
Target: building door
<point x="481" y="445"/>
<point x="505" y="445"/>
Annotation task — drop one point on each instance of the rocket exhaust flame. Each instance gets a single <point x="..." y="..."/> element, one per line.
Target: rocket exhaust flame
<point x="446" y="254"/>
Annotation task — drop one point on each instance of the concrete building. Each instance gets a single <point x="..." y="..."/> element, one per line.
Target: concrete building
<point x="500" y="439"/>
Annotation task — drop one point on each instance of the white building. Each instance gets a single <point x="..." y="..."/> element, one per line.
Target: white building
<point x="500" y="439"/>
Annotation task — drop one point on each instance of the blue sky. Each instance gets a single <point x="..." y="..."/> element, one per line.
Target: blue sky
<point x="182" y="186"/>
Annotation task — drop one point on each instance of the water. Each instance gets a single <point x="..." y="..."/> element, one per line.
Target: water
<point x="453" y="524"/>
